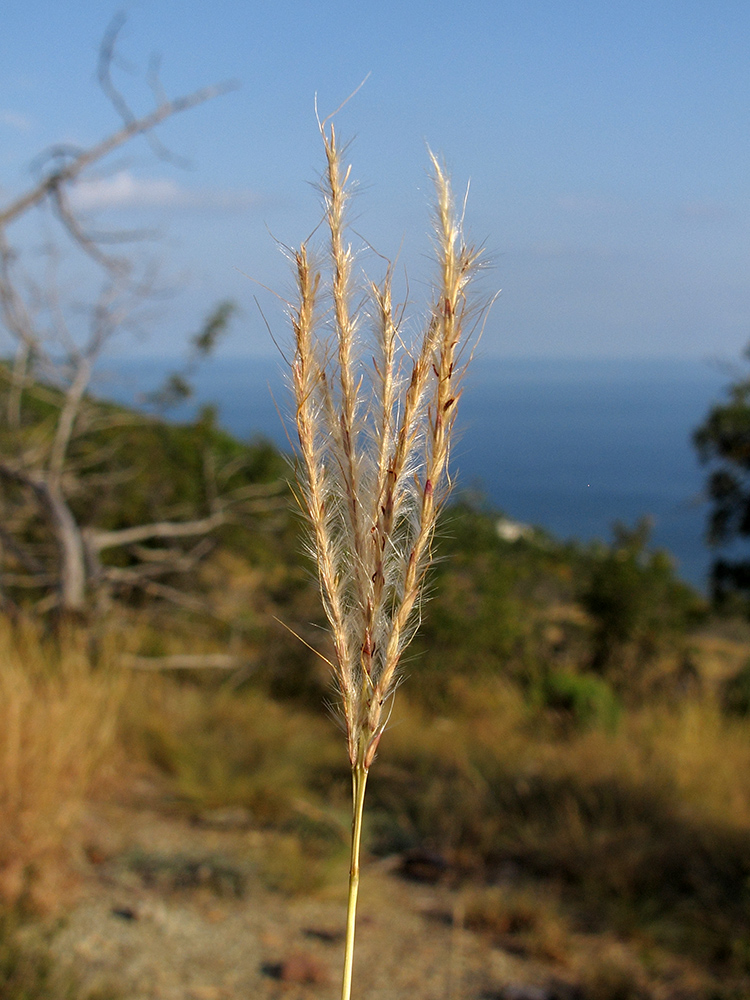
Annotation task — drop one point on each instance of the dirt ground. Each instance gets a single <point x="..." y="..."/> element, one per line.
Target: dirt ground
<point x="171" y="909"/>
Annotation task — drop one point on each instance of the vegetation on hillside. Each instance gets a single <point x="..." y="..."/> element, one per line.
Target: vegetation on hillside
<point x="148" y="499"/>
<point x="574" y="716"/>
<point x="723" y="444"/>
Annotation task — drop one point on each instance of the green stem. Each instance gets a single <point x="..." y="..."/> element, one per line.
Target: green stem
<point x="359" y="781"/>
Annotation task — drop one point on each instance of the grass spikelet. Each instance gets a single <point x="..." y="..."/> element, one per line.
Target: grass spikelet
<point x="374" y="444"/>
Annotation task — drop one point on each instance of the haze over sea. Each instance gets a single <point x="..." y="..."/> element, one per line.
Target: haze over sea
<point x="569" y="445"/>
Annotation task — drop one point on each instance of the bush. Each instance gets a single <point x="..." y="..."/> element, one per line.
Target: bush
<point x="638" y="606"/>
<point x="584" y="699"/>
<point x="484" y="616"/>
<point x="735" y="693"/>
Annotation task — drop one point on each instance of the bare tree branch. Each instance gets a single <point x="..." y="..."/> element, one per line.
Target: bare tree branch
<point x="107" y="52"/>
<point x="180" y="599"/>
<point x="102" y="540"/>
<point x="173" y="558"/>
<point x="87" y="242"/>
<point x="68" y="414"/>
<point x="57" y="452"/>
<point x="140" y="126"/>
<point x="29" y="582"/>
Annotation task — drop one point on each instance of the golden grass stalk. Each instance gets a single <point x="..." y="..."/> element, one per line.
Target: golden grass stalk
<point x="374" y="442"/>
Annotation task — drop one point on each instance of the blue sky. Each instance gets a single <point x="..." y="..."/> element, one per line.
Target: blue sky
<point x="607" y="145"/>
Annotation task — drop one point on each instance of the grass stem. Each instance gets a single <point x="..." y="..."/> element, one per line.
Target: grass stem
<point x="359" y="782"/>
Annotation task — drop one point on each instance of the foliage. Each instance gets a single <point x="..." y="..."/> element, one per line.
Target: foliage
<point x="584" y="699"/>
<point x="155" y="470"/>
<point x="735" y="692"/>
<point x="484" y="598"/>
<point x="630" y="818"/>
<point x="133" y="470"/>
<point x="723" y="444"/>
<point x="521" y="921"/>
<point x="243" y="750"/>
<point x="637" y="604"/>
<point x="225" y="749"/>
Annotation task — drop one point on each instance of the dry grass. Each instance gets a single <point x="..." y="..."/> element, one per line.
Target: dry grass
<point x="227" y="749"/>
<point x="521" y="920"/>
<point x="645" y="829"/>
<point x="58" y="728"/>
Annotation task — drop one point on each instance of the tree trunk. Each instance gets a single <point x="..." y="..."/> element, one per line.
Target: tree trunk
<point x="72" y="587"/>
<point x="68" y="537"/>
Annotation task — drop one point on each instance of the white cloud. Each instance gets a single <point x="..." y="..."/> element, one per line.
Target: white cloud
<point x="13" y="120"/>
<point x="123" y="190"/>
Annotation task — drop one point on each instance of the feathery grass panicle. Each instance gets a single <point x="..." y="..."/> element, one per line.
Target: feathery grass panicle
<point x="374" y="478"/>
<point x="374" y="444"/>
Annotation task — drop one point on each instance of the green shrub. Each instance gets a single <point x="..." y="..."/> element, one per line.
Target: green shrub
<point x="484" y="610"/>
<point x="638" y="606"/>
<point x="735" y="694"/>
<point x="584" y="699"/>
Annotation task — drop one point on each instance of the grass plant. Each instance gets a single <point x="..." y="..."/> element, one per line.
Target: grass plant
<point x="58" y="731"/>
<point x="374" y="441"/>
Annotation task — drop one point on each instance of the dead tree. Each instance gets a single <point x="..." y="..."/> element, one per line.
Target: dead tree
<point x="46" y="406"/>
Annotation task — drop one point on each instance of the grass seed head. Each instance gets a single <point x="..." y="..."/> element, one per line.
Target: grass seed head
<point x="374" y="444"/>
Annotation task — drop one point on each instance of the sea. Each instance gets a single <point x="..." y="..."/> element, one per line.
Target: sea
<point x="568" y="445"/>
